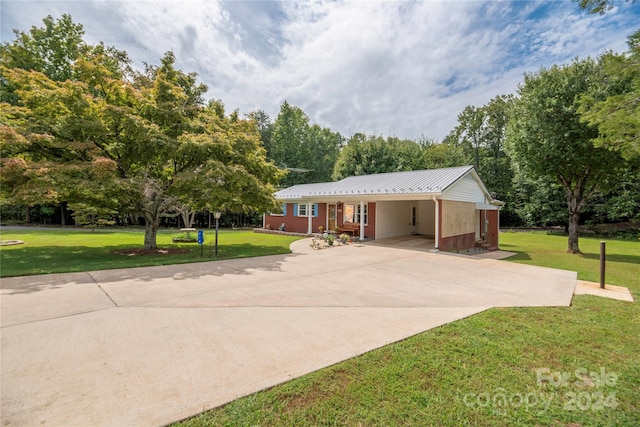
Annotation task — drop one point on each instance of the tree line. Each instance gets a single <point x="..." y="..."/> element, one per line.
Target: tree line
<point x="83" y="130"/>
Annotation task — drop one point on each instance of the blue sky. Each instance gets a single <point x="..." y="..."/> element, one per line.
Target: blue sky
<point x="383" y="67"/>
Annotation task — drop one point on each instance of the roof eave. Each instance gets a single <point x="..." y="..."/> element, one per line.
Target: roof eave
<point x="362" y="196"/>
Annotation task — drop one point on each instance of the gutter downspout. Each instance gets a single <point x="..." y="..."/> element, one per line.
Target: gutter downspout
<point x="435" y="200"/>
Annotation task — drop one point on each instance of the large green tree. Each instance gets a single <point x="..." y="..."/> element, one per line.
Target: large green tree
<point x="437" y="155"/>
<point x="265" y="127"/>
<point x="103" y="138"/>
<point x="546" y="137"/>
<point x="480" y="134"/>
<point x="51" y="49"/>
<point x="307" y="151"/>
<point x="614" y="105"/>
<point x="621" y="203"/>
<point x="364" y="155"/>
<point x="537" y="202"/>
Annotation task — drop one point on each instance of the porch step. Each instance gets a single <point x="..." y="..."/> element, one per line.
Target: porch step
<point x="485" y="245"/>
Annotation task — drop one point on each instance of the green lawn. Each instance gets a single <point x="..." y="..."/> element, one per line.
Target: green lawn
<point x="460" y="373"/>
<point x="539" y="248"/>
<point x="48" y="250"/>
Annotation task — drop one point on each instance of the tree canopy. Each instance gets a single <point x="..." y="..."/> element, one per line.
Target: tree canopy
<point x="546" y="137"/>
<point x="480" y="134"/>
<point x="82" y="127"/>
<point x="599" y="6"/>
<point x="307" y="151"/>
<point x="365" y="155"/>
<point x="614" y="107"/>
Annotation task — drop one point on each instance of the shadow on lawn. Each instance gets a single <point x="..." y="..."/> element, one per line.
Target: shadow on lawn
<point x="519" y="256"/>
<point x="631" y="259"/>
<point x="85" y="265"/>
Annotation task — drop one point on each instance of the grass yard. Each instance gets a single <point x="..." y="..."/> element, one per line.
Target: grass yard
<point x="540" y="248"/>
<point x="47" y="250"/>
<point x="565" y="366"/>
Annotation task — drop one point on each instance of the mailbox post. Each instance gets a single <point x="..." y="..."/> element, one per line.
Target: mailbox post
<point x="201" y="240"/>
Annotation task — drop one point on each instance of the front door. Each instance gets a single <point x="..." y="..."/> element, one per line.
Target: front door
<point x="332" y="217"/>
<point x="413" y="224"/>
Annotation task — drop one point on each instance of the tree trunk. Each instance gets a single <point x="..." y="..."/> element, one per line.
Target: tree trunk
<point x="574" y="216"/>
<point x="188" y="216"/>
<point x="63" y="220"/>
<point x="150" y="232"/>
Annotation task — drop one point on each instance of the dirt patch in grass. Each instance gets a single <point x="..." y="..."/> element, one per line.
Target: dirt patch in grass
<point x="159" y="251"/>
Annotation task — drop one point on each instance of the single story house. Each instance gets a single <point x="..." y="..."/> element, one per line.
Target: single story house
<point x="450" y="205"/>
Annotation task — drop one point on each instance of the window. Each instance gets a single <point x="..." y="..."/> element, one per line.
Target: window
<point x="352" y="214"/>
<point x="302" y="210"/>
<point x="280" y="211"/>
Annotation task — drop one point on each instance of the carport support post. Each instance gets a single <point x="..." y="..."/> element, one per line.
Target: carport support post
<point x="361" y="220"/>
<point x="437" y="233"/>
<point x="602" y="256"/>
<point x="310" y="219"/>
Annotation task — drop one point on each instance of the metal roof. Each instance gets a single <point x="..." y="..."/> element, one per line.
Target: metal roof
<point x="428" y="181"/>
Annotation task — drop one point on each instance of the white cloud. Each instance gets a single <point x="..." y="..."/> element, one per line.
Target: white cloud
<point x="393" y="68"/>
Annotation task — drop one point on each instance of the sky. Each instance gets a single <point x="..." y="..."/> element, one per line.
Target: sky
<point x="389" y="68"/>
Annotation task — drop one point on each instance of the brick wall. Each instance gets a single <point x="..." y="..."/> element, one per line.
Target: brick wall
<point x="492" y="230"/>
<point x="462" y="241"/>
<point x="298" y="224"/>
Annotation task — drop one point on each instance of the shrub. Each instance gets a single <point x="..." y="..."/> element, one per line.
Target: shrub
<point x="330" y="239"/>
<point x="184" y="238"/>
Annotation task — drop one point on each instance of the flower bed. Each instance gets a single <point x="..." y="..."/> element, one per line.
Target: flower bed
<point x="328" y="240"/>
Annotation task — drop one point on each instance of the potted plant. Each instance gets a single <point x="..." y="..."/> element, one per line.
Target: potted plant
<point x="345" y="238"/>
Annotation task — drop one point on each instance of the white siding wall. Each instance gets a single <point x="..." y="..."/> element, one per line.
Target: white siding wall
<point x="466" y="189"/>
<point x="427" y="217"/>
<point x="392" y="219"/>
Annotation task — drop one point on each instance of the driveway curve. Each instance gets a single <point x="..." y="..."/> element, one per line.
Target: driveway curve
<point x="148" y="346"/>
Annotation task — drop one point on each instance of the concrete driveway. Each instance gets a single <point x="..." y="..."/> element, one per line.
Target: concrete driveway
<point x="149" y="346"/>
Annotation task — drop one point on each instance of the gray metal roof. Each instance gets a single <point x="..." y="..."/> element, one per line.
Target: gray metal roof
<point x="428" y="181"/>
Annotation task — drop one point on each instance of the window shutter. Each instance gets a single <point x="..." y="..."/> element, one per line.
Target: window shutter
<point x="284" y="209"/>
<point x="295" y="209"/>
<point x="315" y="210"/>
